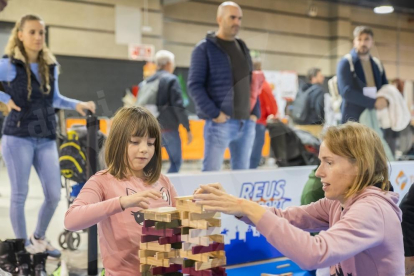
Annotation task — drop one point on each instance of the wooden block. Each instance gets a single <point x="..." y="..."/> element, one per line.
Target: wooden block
<point x="149" y="223"/>
<point x="163" y="270"/>
<point x="181" y="198"/>
<point x="201" y="224"/>
<point x="184" y="215"/>
<point x="155" y="246"/>
<point x="205" y="215"/>
<point x="188" y="246"/>
<point x="191" y="271"/>
<point x="169" y="240"/>
<point x="163" y="214"/>
<point x="164" y="225"/>
<point x="149" y="238"/>
<point x="161" y="232"/>
<point x="144" y="268"/>
<point x="177" y="245"/>
<point x="204" y="257"/>
<point x="204" y="249"/>
<point x="146" y="253"/>
<point x="166" y="255"/>
<point x="204" y="232"/>
<point x="177" y="261"/>
<point x="153" y="261"/>
<point x="210" y="264"/>
<point x="205" y="241"/>
<point x="185" y="230"/>
<point x="189" y="206"/>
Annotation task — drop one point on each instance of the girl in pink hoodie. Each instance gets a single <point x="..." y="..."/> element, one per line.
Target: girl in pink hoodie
<point x="359" y="218"/>
<point x="114" y="198"/>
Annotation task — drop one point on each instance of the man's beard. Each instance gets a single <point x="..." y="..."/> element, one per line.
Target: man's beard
<point x="363" y="51"/>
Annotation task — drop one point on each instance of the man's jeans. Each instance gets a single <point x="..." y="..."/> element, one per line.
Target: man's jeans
<point x="256" y="155"/>
<point x="238" y="135"/>
<point x="172" y="142"/>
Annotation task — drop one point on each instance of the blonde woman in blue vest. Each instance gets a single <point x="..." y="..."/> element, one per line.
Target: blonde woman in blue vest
<point x="29" y="74"/>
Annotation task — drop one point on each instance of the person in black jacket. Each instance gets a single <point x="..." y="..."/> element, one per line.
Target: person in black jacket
<point x="170" y="107"/>
<point x="407" y="208"/>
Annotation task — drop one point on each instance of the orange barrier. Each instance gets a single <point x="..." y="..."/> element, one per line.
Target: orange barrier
<point x="193" y="151"/>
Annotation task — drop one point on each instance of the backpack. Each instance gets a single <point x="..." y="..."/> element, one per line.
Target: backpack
<point x="147" y="96"/>
<point x="333" y="83"/>
<point x="301" y="106"/>
<point x="72" y="158"/>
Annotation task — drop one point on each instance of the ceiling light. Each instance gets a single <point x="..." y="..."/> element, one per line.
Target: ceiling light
<point x="384" y="9"/>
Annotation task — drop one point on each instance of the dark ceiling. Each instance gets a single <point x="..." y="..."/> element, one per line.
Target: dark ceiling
<point x="405" y="6"/>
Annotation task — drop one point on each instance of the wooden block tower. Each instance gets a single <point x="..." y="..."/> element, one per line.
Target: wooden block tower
<point x="183" y="240"/>
<point x="160" y="245"/>
<point x="203" y="245"/>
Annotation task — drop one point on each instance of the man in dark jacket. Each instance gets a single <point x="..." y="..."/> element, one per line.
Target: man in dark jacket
<point x="358" y="89"/>
<point x="219" y="83"/>
<point x="170" y="109"/>
<point x="407" y="208"/>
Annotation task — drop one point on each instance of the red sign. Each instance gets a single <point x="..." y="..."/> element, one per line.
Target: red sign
<point x="141" y="52"/>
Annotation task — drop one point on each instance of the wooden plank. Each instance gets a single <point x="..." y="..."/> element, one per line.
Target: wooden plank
<point x="169" y="240"/>
<point x="163" y="270"/>
<point x="161" y="232"/>
<point x="205" y="232"/>
<point x="146" y="253"/>
<point x="188" y="246"/>
<point x="144" y="268"/>
<point x="201" y="224"/>
<point x="181" y="198"/>
<point x="149" y="238"/>
<point x="189" y="206"/>
<point x="166" y="255"/>
<point x="204" y="249"/>
<point x="210" y="264"/>
<point x="155" y="246"/>
<point x="204" y="257"/>
<point x="205" y="241"/>
<point x="205" y="215"/>
<point x="164" y="225"/>
<point x="153" y="261"/>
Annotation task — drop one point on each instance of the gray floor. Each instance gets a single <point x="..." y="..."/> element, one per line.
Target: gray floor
<point x="75" y="260"/>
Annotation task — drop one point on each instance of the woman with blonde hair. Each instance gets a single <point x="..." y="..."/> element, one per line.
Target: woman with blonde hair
<point x="359" y="218"/>
<point x="29" y="74"/>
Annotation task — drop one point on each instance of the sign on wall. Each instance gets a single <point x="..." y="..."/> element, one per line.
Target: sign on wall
<point x="141" y="52"/>
<point x="278" y="188"/>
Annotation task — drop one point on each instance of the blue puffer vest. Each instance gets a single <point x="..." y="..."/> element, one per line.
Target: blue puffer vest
<point x="37" y="116"/>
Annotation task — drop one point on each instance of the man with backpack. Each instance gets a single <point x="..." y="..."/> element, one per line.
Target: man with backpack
<point x="308" y="107"/>
<point x="360" y="76"/>
<point x="161" y="94"/>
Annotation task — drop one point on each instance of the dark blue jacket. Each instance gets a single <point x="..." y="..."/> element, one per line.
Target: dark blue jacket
<point x="37" y="116"/>
<point x="353" y="100"/>
<point x="170" y="102"/>
<point x="210" y="79"/>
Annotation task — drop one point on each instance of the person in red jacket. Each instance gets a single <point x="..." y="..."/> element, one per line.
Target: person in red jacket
<point x="268" y="107"/>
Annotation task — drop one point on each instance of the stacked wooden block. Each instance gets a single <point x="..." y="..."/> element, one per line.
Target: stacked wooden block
<point x="182" y="240"/>
<point x="203" y="245"/>
<point x="160" y="246"/>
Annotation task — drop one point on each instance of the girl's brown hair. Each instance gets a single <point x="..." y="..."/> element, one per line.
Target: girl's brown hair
<point x="15" y="48"/>
<point x="363" y="147"/>
<point x="129" y="122"/>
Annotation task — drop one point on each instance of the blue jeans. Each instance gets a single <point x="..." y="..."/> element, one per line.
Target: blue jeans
<point x="238" y="135"/>
<point x="20" y="153"/>
<point x="172" y="142"/>
<point x="257" y="146"/>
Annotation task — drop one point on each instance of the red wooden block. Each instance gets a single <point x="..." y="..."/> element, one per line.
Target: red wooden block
<point x="217" y="271"/>
<point x="204" y="249"/>
<point x="163" y="270"/>
<point x="169" y="240"/>
<point x="149" y="223"/>
<point x="161" y="232"/>
<point x="149" y="238"/>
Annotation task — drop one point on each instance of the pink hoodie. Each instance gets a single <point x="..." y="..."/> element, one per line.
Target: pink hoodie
<point x="363" y="239"/>
<point x="119" y="231"/>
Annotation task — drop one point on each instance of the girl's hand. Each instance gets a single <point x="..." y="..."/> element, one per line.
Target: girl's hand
<point x="11" y="105"/>
<point x="141" y="199"/>
<point x="80" y="107"/>
<point x="214" y="185"/>
<point x="214" y="198"/>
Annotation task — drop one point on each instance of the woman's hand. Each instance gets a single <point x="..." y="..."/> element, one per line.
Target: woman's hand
<point x="141" y="199"/>
<point x="214" y="185"/>
<point x="217" y="200"/>
<point x="11" y="105"/>
<point x="80" y="107"/>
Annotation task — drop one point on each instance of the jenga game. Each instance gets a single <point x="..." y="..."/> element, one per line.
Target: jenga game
<point x="182" y="241"/>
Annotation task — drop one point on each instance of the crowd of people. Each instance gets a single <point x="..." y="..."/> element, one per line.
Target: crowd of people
<point x="362" y="230"/>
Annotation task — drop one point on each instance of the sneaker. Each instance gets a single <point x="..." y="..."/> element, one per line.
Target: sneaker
<point x="46" y="245"/>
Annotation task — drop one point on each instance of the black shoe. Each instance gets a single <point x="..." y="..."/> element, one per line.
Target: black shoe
<point x="25" y="263"/>
<point x="8" y="260"/>
<point x="39" y="264"/>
